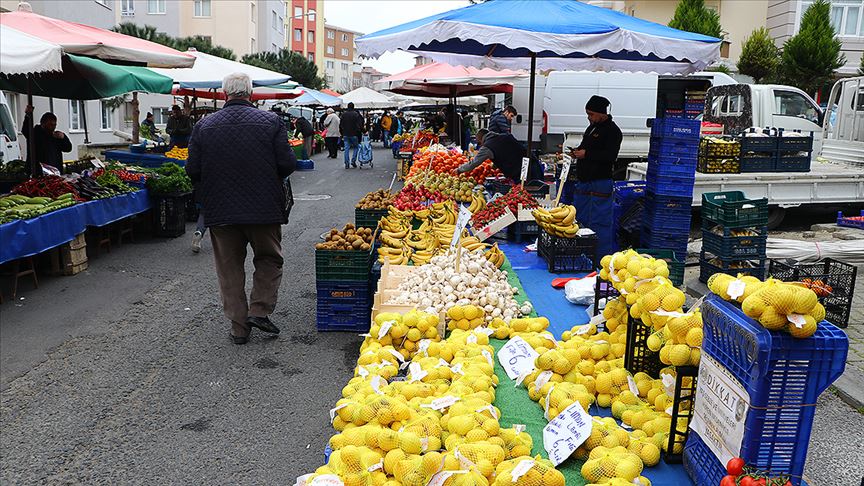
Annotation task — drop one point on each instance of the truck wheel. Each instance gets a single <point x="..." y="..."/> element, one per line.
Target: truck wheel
<point x="775" y="217"/>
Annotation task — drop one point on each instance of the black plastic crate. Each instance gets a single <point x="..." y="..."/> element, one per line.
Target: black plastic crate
<point x="522" y="231"/>
<point x="603" y="290"/>
<point x="637" y="357"/>
<point x="496" y="185"/>
<point x="342" y="265"/>
<point x="736" y="246"/>
<point x="794" y="163"/>
<point x="732" y="210"/>
<point x="169" y="215"/>
<point x="682" y="409"/>
<point x="802" y="143"/>
<point x="838" y="275"/>
<point x="368" y="218"/>
<point x="755" y="266"/>
<point x="577" y="254"/>
<point x="763" y="143"/>
<point x="674" y="260"/>
<point x="757" y="162"/>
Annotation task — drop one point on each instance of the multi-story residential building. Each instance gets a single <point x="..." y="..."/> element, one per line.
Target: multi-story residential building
<point x="339" y="58"/>
<point x="244" y="26"/>
<point x="369" y="76"/>
<point x="304" y="35"/>
<point x="782" y="18"/>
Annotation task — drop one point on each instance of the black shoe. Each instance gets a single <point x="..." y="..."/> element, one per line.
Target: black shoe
<point x="263" y="323"/>
<point x="240" y="339"/>
<point x="353" y="165"/>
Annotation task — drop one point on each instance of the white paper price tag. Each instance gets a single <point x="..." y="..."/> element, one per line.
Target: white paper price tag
<point x="376" y="383"/>
<point x="326" y="480"/>
<point x="441" y="363"/>
<point x="525" y="163"/>
<point x="336" y="409"/>
<point x="441" y="403"/>
<point x="385" y="328"/>
<point x="551" y="339"/>
<point x="396" y="354"/>
<point x="519" y="428"/>
<point x="797" y="319"/>
<point x="542" y="379"/>
<point x="416" y="372"/>
<point x="363" y="372"/>
<point x="565" y="169"/>
<point x="597" y="320"/>
<point x="461" y="221"/>
<point x="668" y="383"/>
<point x="457" y="369"/>
<point x="440" y="478"/>
<point x="632" y="385"/>
<point x="488" y="357"/>
<point x="736" y="288"/>
<point x="491" y="410"/>
<point x="585" y="329"/>
<point x="376" y="466"/>
<point x="471" y="339"/>
<point x="517" y="357"/>
<point x="521" y="469"/>
<point x="484" y="330"/>
<point x="423" y="346"/>
<point x="566" y="432"/>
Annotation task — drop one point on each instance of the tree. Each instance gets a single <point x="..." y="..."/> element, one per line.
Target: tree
<point x="861" y="65"/>
<point x="693" y="16"/>
<point x="720" y="68"/>
<point x="760" y="57"/>
<point x="812" y="55"/>
<point x="291" y="63"/>
<point x="200" y="43"/>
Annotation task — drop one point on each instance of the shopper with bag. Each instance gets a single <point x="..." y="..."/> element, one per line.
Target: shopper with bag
<point x="351" y="125"/>
<point x="239" y="158"/>
<point x="331" y="133"/>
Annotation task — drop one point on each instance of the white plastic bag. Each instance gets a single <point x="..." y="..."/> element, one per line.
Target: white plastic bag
<point x="580" y="291"/>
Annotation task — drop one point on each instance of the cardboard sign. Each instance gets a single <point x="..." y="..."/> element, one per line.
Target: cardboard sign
<point x="495" y="226"/>
<point x="517" y="357"/>
<point x="461" y="221"/>
<point x="566" y="432"/>
<point x="525" y="163"/>
<point x="565" y="170"/>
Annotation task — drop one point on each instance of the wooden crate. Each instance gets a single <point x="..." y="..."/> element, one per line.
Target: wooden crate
<point x="73" y="256"/>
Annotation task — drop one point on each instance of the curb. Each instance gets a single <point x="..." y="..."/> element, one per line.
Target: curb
<point x="850" y="387"/>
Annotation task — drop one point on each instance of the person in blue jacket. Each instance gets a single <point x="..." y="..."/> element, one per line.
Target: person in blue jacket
<point x="500" y="121"/>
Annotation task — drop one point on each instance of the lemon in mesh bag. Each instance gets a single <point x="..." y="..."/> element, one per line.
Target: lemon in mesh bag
<point x="605" y="463"/>
<point x="516" y="443"/>
<point x="356" y="465"/>
<point x="500" y="327"/>
<point x="465" y="317"/>
<point x="527" y="471"/>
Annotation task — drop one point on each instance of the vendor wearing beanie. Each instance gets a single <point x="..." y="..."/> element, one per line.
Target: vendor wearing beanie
<point x="589" y="187"/>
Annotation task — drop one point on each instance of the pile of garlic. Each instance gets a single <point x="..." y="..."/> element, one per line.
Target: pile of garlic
<point x="437" y="286"/>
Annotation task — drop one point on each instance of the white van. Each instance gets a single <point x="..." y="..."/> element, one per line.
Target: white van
<point x="9" y="149"/>
<point x="634" y="97"/>
<point x="519" y="125"/>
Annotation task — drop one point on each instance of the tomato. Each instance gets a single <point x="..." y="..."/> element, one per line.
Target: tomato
<point x="759" y="482"/>
<point x="728" y="481"/>
<point x="735" y="466"/>
<point x="747" y="481"/>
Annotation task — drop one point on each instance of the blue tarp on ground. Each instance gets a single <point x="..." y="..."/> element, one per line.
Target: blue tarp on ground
<point x="24" y="238"/>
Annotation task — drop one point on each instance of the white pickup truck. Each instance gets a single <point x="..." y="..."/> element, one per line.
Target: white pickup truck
<point x="836" y="177"/>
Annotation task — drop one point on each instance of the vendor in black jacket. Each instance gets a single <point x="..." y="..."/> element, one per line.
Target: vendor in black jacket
<point x="589" y="187"/>
<point x="506" y="154"/>
<point x="48" y="143"/>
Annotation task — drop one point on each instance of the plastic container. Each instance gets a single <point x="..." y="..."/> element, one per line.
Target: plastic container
<point x="169" y="214"/>
<point x="795" y="163"/>
<point x="495" y="185"/>
<point x="667" y="213"/>
<point x="757" y="162"/>
<point x="342" y="265"/>
<point x="765" y="143"/>
<point x="675" y="261"/>
<point x="783" y="377"/>
<point x="368" y="218"/>
<point x="838" y="275"/>
<point x="522" y="231"/>
<point x="686" y="149"/>
<point x="679" y="186"/>
<point x="732" y="210"/>
<point x="676" y="128"/>
<point x="306" y="164"/>
<point x="754" y="266"/>
<point x="735" y="246"/>
<point x="603" y="290"/>
<point x="850" y="221"/>
<point x="719" y="165"/>
<point x="637" y="356"/>
<point x="568" y="254"/>
<point x="343" y="317"/>
<point x="683" y="399"/>
<point x="795" y="143"/>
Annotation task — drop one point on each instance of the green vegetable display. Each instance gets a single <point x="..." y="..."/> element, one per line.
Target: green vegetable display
<point x="170" y="178"/>
<point x="16" y="206"/>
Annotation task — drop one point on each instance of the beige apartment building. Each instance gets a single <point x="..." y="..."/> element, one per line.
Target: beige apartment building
<point x="782" y="18"/>
<point x="339" y="58"/>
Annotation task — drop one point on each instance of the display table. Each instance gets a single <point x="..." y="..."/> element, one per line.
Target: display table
<point x="28" y="237"/>
<point x="143" y="159"/>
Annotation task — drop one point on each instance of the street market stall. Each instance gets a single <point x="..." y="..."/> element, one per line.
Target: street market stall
<point x="367" y="99"/>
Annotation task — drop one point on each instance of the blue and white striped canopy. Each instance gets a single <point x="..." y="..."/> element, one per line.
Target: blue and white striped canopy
<point x="311" y="97"/>
<point x="563" y="34"/>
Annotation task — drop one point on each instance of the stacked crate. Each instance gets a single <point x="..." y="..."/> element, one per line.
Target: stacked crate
<point x="627" y="202"/>
<point x="342" y="283"/>
<point x="672" y="161"/>
<point x="719" y="155"/>
<point x="758" y="150"/>
<point x="794" y="151"/>
<point x="694" y="103"/>
<point x="734" y="235"/>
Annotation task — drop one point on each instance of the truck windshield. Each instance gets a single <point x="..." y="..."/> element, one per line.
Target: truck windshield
<point x="7" y="126"/>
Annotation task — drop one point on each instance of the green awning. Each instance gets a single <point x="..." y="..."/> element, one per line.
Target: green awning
<point x="85" y="78"/>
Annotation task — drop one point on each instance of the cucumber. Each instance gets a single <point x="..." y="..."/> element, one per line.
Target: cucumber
<point x="39" y="200"/>
<point x="67" y="195"/>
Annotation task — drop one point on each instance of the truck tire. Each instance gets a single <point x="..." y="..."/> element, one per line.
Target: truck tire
<point x="775" y="217"/>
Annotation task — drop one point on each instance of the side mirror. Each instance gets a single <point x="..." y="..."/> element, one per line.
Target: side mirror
<point x="518" y="118"/>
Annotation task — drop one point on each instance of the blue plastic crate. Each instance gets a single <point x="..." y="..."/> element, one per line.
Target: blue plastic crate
<point x="670" y="185"/>
<point x="626" y="193"/>
<point x="736" y="246"/>
<point x="676" y="128"/>
<point x="783" y="377"/>
<point x="306" y="164"/>
<point x="670" y="149"/>
<point x="343" y="306"/>
<point x="676" y="244"/>
<point x="850" y="221"/>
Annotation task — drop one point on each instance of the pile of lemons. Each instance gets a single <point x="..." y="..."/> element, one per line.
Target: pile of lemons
<point x="403" y="332"/>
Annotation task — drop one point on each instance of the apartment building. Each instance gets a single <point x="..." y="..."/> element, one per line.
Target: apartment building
<point x="782" y="18"/>
<point x="340" y="64"/>
<point x="244" y="26"/>
<point x="305" y="29"/>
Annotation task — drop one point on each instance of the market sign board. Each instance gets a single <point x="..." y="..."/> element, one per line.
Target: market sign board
<point x="517" y="357"/>
<point x="566" y="432"/>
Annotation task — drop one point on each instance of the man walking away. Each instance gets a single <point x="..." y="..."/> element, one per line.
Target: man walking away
<point x="303" y="128"/>
<point x="179" y="127"/>
<point x="238" y="160"/>
<point x="351" y="126"/>
<point x="500" y="121"/>
<point x="386" y="123"/>
<point x="331" y="133"/>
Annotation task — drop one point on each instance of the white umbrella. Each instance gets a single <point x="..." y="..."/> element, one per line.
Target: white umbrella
<point x="414" y="101"/>
<point x="25" y="54"/>
<point x="365" y="98"/>
<point x="209" y="70"/>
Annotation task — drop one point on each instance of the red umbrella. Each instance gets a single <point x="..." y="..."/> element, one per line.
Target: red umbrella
<point x="94" y="42"/>
<point x="330" y="92"/>
<point x="259" y="93"/>
<point x="443" y="80"/>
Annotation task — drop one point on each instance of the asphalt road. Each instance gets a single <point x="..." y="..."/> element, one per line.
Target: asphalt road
<point x="125" y="374"/>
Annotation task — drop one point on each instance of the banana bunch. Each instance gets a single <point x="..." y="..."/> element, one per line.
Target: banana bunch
<point x="560" y="221"/>
<point x="395" y="256"/>
<point x="495" y="255"/>
<point x="472" y="243"/>
<point x="442" y="213"/>
<point x="478" y="202"/>
<point x="419" y="240"/>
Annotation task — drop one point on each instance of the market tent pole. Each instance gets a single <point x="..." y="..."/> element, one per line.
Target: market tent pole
<point x="531" y="101"/>
<point x="35" y="168"/>
<point x="136" y="129"/>
<point x="84" y="120"/>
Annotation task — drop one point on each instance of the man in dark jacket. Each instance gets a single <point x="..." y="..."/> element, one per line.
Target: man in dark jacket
<point x="303" y="128"/>
<point x="48" y="142"/>
<point x="238" y="160"/>
<point x="500" y="121"/>
<point x="589" y="187"/>
<point x="179" y="127"/>
<point x="352" y="125"/>
<point x="506" y="154"/>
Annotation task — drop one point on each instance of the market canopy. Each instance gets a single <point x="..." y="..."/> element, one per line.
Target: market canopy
<point x="444" y="80"/>
<point x="24" y="54"/>
<point x="209" y="70"/>
<point x="311" y="97"/>
<point x="415" y="102"/>
<point x="94" y="42"/>
<point x="85" y="78"/>
<point x="285" y="91"/>
<point x="365" y="98"/>
<point x="562" y="34"/>
<point x="331" y="92"/>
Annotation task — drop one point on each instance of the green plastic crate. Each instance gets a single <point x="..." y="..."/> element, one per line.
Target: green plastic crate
<point x="345" y="265"/>
<point x="732" y="210"/>
<point x="676" y="267"/>
<point x="368" y="218"/>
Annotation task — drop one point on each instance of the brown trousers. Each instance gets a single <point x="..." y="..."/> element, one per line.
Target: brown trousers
<point x="229" y="252"/>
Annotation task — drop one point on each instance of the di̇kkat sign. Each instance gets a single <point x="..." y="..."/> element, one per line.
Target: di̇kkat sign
<point x="720" y="411"/>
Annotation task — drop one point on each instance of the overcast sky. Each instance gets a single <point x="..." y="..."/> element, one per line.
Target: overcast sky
<point x="368" y="16"/>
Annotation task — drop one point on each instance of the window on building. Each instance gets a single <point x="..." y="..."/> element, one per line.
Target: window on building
<point x="202" y="8"/>
<point x="311" y="57"/>
<point x="789" y="103"/>
<point x="344" y="51"/>
<point x="252" y="48"/>
<point x="160" y="114"/>
<point x="298" y="35"/>
<point x="102" y="2"/>
<point x="310" y="36"/>
<point x="252" y="12"/>
<point x="344" y="66"/>
<point x="298" y="12"/>
<point x="331" y="35"/>
<point x="281" y="25"/>
<point x="331" y="65"/>
<point x="846" y="16"/>
<point x="330" y="50"/>
<point x="76" y="107"/>
<point x="344" y="37"/>
<point x="311" y="15"/>
<point x="127" y="7"/>
<point x="107" y="113"/>
<point x="330" y="79"/>
<point x="155" y="6"/>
